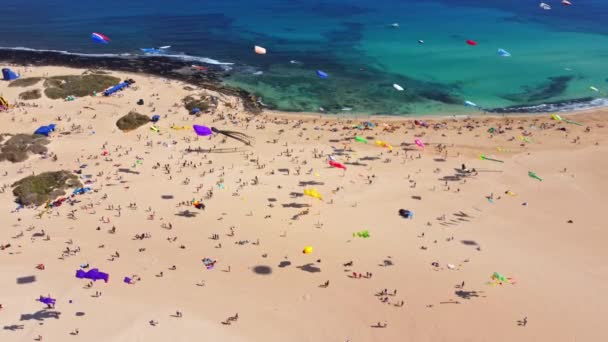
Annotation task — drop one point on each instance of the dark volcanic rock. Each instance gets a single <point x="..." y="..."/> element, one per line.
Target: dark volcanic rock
<point x="171" y="68"/>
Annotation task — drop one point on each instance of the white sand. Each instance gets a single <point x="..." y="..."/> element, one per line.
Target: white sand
<point x="559" y="269"/>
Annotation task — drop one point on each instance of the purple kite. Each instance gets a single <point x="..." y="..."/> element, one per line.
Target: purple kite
<point x="93" y="274"/>
<point x="206" y="131"/>
<point x="202" y="130"/>
<point x="47" y="300"/>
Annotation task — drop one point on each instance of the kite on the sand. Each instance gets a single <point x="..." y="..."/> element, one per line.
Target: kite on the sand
<point x="313" y="193"/>
<point x="93" y="274"/>
<point x="307" y="250"/>
<point x="206" y="131"/>
<point x="483" y="157"/>
<point x="384" y="144"/>
<point x="361" y="139"/>
<point x="337" y="165"/>
<point x="46" y="300"/>
<point x="419" y="143"/>
<point x="533" y="175"/>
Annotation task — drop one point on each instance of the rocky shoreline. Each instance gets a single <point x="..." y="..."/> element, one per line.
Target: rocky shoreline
<point x="170" y="68"/>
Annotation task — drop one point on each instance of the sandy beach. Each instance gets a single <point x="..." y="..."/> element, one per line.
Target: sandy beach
<point x="424" y="278"/>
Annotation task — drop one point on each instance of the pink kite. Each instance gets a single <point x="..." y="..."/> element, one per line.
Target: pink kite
<point x="419" y="143"/>
<point x="337" y="165"/>
<point x="471" y="42"/>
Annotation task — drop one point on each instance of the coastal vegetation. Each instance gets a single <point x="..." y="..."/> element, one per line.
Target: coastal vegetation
<point x="132" y="121"/>
<point x="191" y="102"/>
<point x="17" y="147"/>
<point x="60" y="87"/>
<point x="33" y="94"/>
<point x="25" y="82"/>
<point x="46" y="186"/>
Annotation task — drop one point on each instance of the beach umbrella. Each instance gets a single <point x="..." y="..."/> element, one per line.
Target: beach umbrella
<point x="322" y="74"/>
<point x="259" y="50"/>
<point x="99" y="38"/>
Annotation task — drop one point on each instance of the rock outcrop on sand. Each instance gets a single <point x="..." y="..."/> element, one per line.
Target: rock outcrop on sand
<point x="16" y="148"/>
<point x="132" y="121"/>
<point x="46" y="186"/>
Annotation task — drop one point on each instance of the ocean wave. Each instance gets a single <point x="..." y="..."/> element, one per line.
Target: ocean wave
<point x="183" y="57"/>
<point x="560" y="106"/>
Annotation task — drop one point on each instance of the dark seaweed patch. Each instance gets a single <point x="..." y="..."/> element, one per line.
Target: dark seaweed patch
<point x="555" y="86"/>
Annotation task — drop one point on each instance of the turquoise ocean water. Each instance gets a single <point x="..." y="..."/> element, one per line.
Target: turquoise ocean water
<point x="557" y="55"/>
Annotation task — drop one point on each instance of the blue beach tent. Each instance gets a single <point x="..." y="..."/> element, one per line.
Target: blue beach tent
<point x="116" y="88"/>
<point x="9" y="75"/>
<point x="45" y="130"/>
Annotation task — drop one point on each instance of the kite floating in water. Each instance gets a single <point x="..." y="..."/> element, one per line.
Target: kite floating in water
<point x="533" y="175"/>
<point x="471" y="42"/>
<point x="482" y="157"/>
<point x="469" y="104"/>
<point x="398" y="87"/>
<point x="395" y="25"/>
<point x="337" y="165"/>
<point x="313" y="193"/>
<point x="420" y="41"/>
<point x="322" y="74"/>
<point x="361" y="139"/>
<point x="594" y="88"/>
<point x="99" y="38"/>
<point x="503" y="53"/>
<point x="544" y="6"/>
<point x="566" y="3"/>
<point x="259" y="50"/>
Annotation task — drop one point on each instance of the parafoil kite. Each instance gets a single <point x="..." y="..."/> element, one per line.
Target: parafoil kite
<point x="259" y="50"/>
<point x="533" y="175"/>
<point x="322" y="74"/>
<point x="503" y="53"/>
<point x="469" y="104"/>
<point x="313" y="193"/>
<point x="419" y="143"/>
<point x="99" y="38"/>
<point x="398" y="87"/>
<point x="361" y="139"/>
<point x="471" y="42"/>
<point x="566" y="3"/>
<point x="206" y="131"/>
<point x="483" y="157"/>
<point x="384" y="144"/>
<point x="544" y="6"/>
<point x="337" y="165"/>
<point x="307" y="250"/>
<point x="594" y="88"/>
